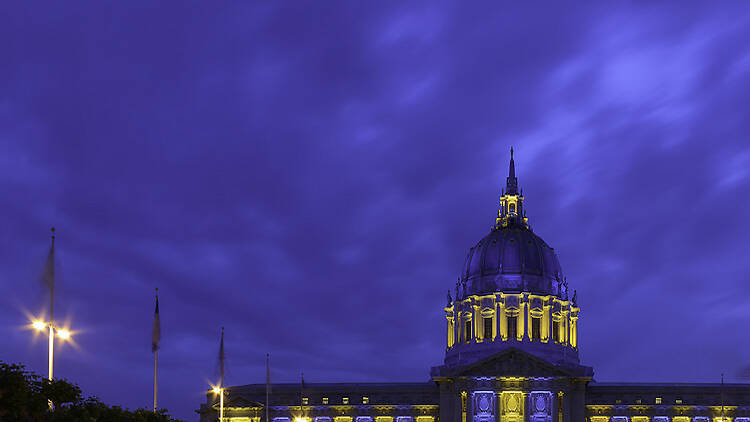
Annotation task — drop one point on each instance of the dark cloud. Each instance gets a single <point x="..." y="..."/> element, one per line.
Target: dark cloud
<point x="310" y="176"/>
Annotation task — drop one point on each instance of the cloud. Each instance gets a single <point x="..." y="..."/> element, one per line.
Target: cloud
<point x="310" y="177"/>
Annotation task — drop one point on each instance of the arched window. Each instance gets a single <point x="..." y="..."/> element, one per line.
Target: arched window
<point x="512" y="207"/>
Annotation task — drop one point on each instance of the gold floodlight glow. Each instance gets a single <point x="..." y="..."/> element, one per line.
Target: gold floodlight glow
<point x="63" y="334"/>
<point x="301" y="419"/>
<point x="39" y="325"/>
<point x="216" y="390"/>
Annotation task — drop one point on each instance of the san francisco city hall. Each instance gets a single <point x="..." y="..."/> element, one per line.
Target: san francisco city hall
<point x="511" y="356"/>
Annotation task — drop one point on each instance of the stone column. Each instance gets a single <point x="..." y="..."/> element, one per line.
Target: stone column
<point x="500" y="317"/>
<point x="523" y="316"/>
<point x="475" y="324"/>
<point x="498" y="406"/>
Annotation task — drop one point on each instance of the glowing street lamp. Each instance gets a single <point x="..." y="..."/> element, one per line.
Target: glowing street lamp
<point x="217" y="389"/>
<point x="63" y="334"/>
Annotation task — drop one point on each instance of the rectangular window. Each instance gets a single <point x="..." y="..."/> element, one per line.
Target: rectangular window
<point x="345" y="400"/>
<point x="325" y="400"/>
<point x="556" y="331"/>
<point x="536" y="328"/>
<point x="365" y="400"/>
<point x="488" y="328"/>
<point x="467" y="337"/>
<point x="678" y="401"/>
<point x="512" y="327"/>
<point x="658" y="400"/>
<point x="305" y="401"/>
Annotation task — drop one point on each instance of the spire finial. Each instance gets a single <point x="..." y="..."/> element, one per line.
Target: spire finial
<point x="511" y="186"/>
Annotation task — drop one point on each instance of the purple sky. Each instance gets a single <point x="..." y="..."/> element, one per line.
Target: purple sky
<point x="312" y="177"/>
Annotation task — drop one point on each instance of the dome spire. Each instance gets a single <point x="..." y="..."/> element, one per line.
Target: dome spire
<point x="511" y="202"/>
<point x="511" y="186"/>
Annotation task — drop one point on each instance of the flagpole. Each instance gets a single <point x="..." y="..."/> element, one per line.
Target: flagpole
<point x="156" y="353"/>
<point x="155" y="337"/>
<point x="51" y="306"/>
<point x="221" y="380"/>
<point x="268" y="382"/>
<point x="51" y="309"/>
<point x="722" y="398"/>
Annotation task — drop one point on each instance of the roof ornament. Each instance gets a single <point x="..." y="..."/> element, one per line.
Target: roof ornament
<point x="511" y="187"/>
<point x="450" y="299"/>
<point x="575" y="298"/>
<point x="565" y="284"/>
<point x="559" y="285"/>
<point x="458" y="283"/>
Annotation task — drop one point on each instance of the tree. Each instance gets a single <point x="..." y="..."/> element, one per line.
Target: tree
<point x="24" y="395"/>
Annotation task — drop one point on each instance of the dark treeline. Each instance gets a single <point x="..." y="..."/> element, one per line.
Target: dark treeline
<point x="24" y="397"/>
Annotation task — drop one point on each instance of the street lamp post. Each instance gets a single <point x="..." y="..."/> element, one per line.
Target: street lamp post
<point x="220" y="391"/>
<point x="62" y="333"/>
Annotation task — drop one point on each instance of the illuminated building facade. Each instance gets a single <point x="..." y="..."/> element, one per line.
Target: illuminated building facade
<point x="511" y="356"/>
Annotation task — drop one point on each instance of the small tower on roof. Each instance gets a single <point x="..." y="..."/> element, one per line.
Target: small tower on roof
<point x="511" y="201"/>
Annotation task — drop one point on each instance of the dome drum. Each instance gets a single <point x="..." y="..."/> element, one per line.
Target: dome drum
<point x="480" y="326"/>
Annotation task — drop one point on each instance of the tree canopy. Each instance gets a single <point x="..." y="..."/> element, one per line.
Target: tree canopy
<point x="24" y="397"/>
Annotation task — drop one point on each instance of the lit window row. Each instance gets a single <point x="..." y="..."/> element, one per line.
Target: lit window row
<point x="657" y="400"/>
<point x="344" y="400"/>
<point x="362" y="419"/>
<point x="666" y="419"/>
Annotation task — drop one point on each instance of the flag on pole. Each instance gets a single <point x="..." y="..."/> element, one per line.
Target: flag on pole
<point x="156" y="332"/>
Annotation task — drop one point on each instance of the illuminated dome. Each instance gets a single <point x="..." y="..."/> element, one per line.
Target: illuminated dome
<point x="511" y="258"/>
<point x="511" y="293"/>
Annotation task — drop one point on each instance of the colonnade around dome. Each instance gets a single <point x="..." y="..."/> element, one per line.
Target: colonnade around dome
<point x="504" y="317"/>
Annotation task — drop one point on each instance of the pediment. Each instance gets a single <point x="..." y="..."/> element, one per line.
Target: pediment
<point x="513" y="363"/>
